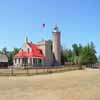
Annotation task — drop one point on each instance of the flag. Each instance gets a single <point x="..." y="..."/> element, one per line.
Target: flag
<point x="43" y="25"/>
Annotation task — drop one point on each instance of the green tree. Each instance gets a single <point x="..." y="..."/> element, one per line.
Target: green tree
<point x="4" y="51"/>
<point x="63" y="56"/>
<point x="11" y="55"/>
<point x="92" y="47"/>
<point x="88" y="56"/>
<point x="70" y="56"/>
<point x="66" y="56"/>
<point x="10" y="58"/>
<point x="76" y="53"/>
<point x="15" y="51"/>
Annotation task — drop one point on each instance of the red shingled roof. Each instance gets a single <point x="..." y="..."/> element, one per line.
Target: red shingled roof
<point x="36" y="52"/>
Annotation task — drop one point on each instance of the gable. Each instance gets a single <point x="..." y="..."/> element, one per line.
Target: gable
<point x="25" y="48"/>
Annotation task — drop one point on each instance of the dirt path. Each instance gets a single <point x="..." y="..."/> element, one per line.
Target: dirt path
<point x="73" y="85"/>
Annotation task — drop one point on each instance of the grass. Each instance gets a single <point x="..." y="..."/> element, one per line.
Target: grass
<point x="73" y="85"/>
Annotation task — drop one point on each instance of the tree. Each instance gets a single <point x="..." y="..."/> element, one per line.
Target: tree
<point x="11" y="55"/>
<point x="63" y="56"/>
<point x="66" y="56"/>
<point x="15" y="51"/>
<point x="76" y="53"/>
<point x="92" y="47"/>
<point x="75" y="49"/>
<point x="70" y="56"/>
<point x="88" y="55"/>
<point x="10" y="58"/>
<point x="4" y="51"/>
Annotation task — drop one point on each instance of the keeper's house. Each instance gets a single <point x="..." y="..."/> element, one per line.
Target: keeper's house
<point x="29" y="54"/>
<point x="3" y="61"/>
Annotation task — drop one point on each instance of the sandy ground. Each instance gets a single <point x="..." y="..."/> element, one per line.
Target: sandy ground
<point x="72" y="85"/>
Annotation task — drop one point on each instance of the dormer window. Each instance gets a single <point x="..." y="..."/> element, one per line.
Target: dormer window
<point x="28" y="50"/>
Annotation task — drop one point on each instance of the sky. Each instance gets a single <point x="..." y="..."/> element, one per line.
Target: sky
<point x="78" y="21"/>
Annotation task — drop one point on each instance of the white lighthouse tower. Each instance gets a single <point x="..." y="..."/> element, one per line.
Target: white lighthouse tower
<point x="56" y="46"/>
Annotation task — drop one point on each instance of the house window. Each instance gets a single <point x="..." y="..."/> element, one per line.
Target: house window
<point x="19" y="60"/>
<point x="28" y="50"/>
<point x="30" y="60"/>
<point x="39" y="61"/>
<point x="34" y="60"/>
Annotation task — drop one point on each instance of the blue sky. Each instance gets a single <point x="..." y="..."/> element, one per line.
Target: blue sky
<point x="78" y="21"/>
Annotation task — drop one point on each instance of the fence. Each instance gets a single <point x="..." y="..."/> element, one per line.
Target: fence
<point x="35" y="70"/>
<point x="93" y="65"/>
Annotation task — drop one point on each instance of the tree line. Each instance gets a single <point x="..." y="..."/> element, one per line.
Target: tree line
<point x="79" y="54"/>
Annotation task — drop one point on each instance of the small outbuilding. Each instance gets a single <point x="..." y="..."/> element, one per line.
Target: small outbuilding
<point x="3" y="61"/>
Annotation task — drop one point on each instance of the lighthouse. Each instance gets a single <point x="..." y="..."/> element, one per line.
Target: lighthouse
<point x="56" y="46"/>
